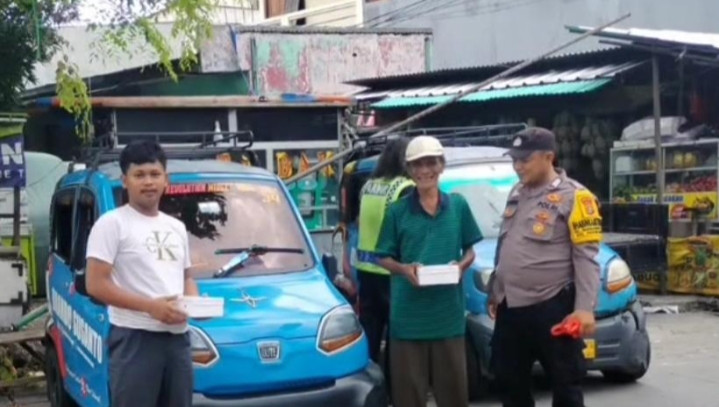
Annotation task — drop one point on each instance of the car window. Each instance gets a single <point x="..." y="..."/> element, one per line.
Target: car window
<point x="84" y="220"/>
<point x="67" y="231"/>
<point x="61" y="233"/>
<point x="486" y="187"/>
<point x="232" y="215"/>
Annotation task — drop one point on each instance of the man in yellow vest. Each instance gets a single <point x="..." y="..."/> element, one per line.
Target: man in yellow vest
<point x="388" y="182"/>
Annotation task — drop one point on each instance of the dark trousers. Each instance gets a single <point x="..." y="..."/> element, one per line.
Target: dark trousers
<point x="374" y="309"/>
<point x="149" y="369"/>
<point x="374" y="296"/>
<point x="418" y="364"/>
<point x="521" y="337"/>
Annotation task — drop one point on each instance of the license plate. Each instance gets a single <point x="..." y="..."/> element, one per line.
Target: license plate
<point x="590" y="349"/>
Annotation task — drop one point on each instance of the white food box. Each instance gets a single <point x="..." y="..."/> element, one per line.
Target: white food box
<point x="438" y="275"/>
<point x="203" y="307"/>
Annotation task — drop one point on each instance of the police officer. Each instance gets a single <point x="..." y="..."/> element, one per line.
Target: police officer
<point x="546" y="274"/>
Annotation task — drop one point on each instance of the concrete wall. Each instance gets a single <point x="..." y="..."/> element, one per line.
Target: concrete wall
<point x="313" y="62"/>
<point x="479" y="32"/>
<point x="86" y="50"/>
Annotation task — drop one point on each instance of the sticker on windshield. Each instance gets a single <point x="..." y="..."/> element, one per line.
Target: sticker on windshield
<point x="214" y="188"/>
<point x="185" y="189"/>
<point x="271" y="197"/>
<point x="196" y="188"/>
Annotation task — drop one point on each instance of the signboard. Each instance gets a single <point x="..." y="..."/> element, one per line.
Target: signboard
<point x="678" y="203"/>
<point x="693" y="265"/>
<point x="12" y="162"/>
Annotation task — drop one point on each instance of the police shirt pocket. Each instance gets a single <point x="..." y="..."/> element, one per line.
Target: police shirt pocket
<point x="539" y="226"/>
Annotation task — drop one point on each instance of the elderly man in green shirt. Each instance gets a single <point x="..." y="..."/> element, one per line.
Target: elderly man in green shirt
<point x="427" y="324"/>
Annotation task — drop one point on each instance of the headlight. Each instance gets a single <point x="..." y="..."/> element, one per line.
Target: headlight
<point x="481" y="279"/>
<point x="339" y="329"/>
<point x="619" y="276"/>
<point x="204" y="352"/>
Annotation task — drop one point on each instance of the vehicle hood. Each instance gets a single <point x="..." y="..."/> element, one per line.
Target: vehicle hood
<point x="286" y="306"/>
<point x="484" y="254"/>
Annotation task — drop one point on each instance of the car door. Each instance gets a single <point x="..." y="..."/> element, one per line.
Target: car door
<point x="82" y="321"/>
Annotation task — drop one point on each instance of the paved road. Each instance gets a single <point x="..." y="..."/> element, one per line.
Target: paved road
<point x="684" y="371"/>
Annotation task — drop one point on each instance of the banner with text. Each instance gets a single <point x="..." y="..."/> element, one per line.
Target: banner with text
<point x="678" y="203"/>
<point x="12" y="162"/>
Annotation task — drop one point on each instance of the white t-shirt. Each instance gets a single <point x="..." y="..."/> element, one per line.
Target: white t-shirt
<point x="149" y="255"/>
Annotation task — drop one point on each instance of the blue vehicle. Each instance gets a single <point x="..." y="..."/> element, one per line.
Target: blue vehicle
<point x="620" y="349"/>
<point x="287" y="336"/>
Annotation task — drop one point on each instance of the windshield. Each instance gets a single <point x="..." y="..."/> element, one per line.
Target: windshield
<point x="486" y="187"/>
<point x="232" y="215"/>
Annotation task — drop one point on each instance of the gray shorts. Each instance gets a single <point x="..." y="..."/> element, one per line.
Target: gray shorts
<point x="149" y="369"/>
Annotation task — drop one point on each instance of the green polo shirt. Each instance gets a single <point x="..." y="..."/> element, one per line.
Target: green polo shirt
<point x="410" y="235"/>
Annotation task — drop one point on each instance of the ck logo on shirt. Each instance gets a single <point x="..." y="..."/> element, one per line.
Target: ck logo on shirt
<point x="160" y="244"/>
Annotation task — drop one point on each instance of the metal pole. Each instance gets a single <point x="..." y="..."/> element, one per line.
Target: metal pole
<point x="658" y="130"/>
<point x="658" y="151"/>
<point x="16" y="217"/>
<point x="457" y="97"/>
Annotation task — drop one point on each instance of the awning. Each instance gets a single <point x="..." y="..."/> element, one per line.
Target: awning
<point x="511" y="93"/>
<point x="551" y="83"/>
<point x="701" y="47"/>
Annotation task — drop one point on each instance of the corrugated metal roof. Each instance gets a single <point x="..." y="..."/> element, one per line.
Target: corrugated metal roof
<point x="606" y="50"/>
<point x="671" y="36"/>
<point x="544" y="78"/>
<point x="157" y="102"/>
<point x="496" y="94"/>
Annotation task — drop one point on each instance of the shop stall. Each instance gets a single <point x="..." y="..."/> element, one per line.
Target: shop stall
<point x="689" y="176"/>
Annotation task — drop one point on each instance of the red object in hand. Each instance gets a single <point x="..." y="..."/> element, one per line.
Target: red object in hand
<point x="571" y="327"/>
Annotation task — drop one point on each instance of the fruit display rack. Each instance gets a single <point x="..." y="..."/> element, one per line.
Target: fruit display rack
<point x="690" y="175"/>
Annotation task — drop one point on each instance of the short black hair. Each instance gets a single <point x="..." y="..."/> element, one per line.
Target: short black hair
<point x="142" y="152"/>
<point x="391" y="162"/>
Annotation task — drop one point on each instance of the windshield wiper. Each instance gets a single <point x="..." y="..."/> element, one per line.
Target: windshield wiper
<point x="257" y="249"/>
<point x="245" y="253"/>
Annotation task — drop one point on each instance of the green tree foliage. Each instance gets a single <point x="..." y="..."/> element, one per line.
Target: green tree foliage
<point x="130" y="22"/>
<point x="27" y="36"/>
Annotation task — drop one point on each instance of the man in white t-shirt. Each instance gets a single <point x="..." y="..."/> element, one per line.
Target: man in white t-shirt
<point x="137" y="263"/>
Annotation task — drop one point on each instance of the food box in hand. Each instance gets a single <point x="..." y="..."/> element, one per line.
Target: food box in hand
<point x="202" y="307"/>
<point x="444" y="274"/>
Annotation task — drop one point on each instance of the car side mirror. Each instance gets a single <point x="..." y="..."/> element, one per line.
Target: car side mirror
<point x="329" y="262"/>
<point x="80" y="284"/>
<point x="481" y="280"/>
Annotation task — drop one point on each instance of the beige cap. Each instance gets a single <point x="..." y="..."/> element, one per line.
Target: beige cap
<point x="423" y="146"/>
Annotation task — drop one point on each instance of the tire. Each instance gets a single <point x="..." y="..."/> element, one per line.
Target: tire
<point x="56" y="393"/>
<point x="625" y="377"/>
<point x="477" y="386"/>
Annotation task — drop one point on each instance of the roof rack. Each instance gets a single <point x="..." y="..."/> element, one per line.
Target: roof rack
<point x="466" y="136"/>
<point x="104" y="148"/>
